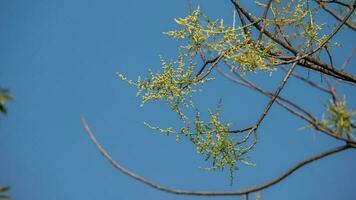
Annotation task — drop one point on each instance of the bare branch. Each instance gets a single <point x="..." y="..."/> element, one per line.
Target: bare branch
<point x="307" y="117"/>
<point x="312" y="63"/>
<point x="274" y="97"/>
<point x="325" y="41"/>
<point x="329" y="55"/>
<point x="303" y="59"/>
<point x="208" y="193"/>
<point x="335" y="2"/>
<point x="254" y="128"/>
<point x="244" y="82"/>
<point x="265" y="13"/>
<point x="243" y="22"/>
<point x="331" y="12"/>
<point x="309" y="82"/>
<point x="241" y="130"/>
<point x="348" y="59"/>
<point x="213" y="63"/>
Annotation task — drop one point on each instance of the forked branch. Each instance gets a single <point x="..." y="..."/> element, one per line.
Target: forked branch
<point x="336" y="16"/>
<point x="208" y="193"/>
<point x="308" y="61"/>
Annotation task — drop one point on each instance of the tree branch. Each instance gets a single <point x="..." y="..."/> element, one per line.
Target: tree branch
<point x="331" y="12"/>
<point x="309" y="82"/>
<point x="267" y="108"/>
<point x="335" y="2"/>
<point x="213" y="63"/>
<point x="208" y="193"/>
<point x="310" y="63"/>
<point x="325" y="41"/>
<point x="308" y="118"/>
<point x="265" y="13"/>
<point x="274" y="97"/>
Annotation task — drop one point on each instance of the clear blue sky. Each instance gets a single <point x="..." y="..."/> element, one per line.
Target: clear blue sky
<point x="59" y="58"/>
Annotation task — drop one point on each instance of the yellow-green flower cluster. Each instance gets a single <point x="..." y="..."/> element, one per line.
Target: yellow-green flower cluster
<point x="177" y="82"/>
<point x="212" y="139"/>
<point x="211" y="38"/>
<point x="173" y="85"/>
<point x="339" y="118"/>
<point x="296" y="17"/>
<point x="4" y="96"/>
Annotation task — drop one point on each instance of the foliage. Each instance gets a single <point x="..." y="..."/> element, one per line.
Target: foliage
<point x="175" y="85"/>
<point x="296" y="17"/>
<point x="212" y="140"/>
<point x="339" y="118"/>
<point x="205" y="42"/>
<point x="4" y="97"/>
<point x="204" y="36"/>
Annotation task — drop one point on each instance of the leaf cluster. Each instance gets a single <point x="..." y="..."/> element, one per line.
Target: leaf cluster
<point x="174" y="85"/>
<point x="295" y="21"/>
<point x="214" y="141"/>
<point x="339" y="118"/>
<point x="177" y="82"/>
<point x="208" y="38"/>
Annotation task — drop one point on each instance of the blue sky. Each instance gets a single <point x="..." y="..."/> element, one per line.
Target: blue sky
<point x="59" y="58"/>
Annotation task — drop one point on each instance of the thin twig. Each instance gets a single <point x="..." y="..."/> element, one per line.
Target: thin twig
<point x="348" y="59"/>
<point x="325" y="41"/>
<point x="309" y="82"/>
<point x="336" y="2"/>
<point x="208" y="193"/>
<point x="331" y="12"/>
<point x="276" y="94"/>
<point x="312" y="63"/>
<point x="241" y="130"/>
<point x="254" y="128"/>
<point x="346" y="62"/>
<point x="243" y="22"/>
<point x="308" y="118"/>
<point x="244" y="82"/>
<point x="214" y="62"/>
<point x="254" y="142"/>
<point x="265" y="13"/>
<point x="251" y="86"/>
<point x="329" y="55"/>
<point x="206" y="63"/>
